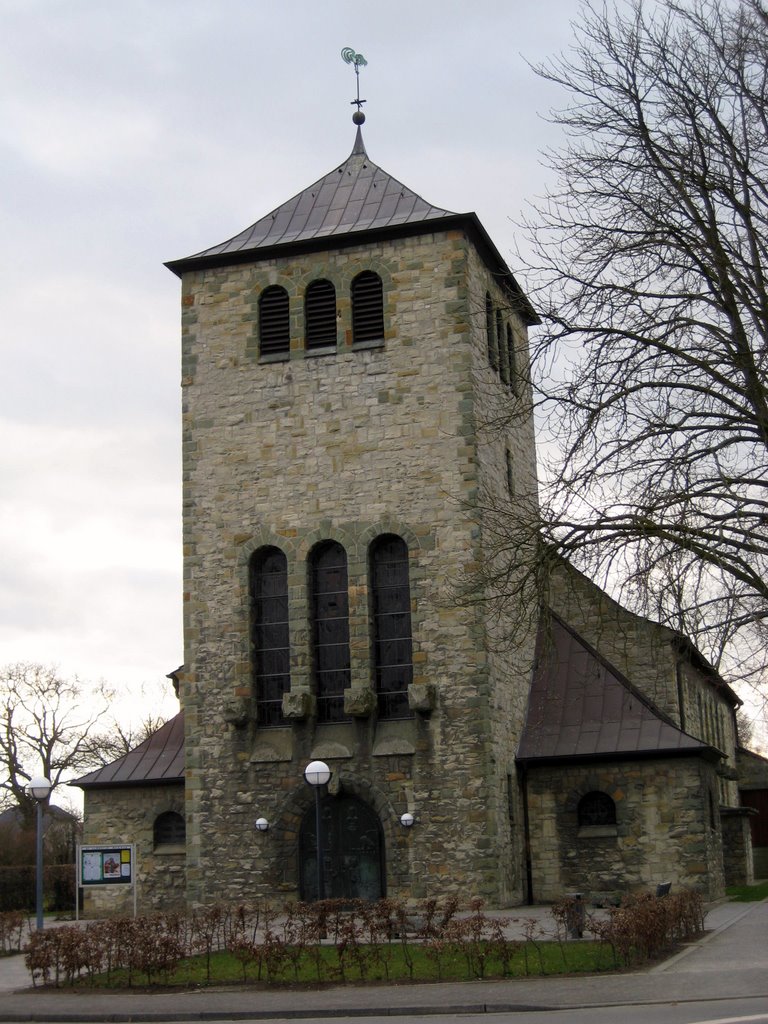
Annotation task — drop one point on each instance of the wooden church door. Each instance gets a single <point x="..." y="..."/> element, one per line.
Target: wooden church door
<point x="352" y="850"/>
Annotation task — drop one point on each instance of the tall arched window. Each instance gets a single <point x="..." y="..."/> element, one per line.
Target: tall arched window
<point x="330" y="622"/>
<point x="392" y="643"/>
<point x="320" y="315"/>
<point x="512" y="359"/>
<point x="270" y="633"/>
<point x="274" y="321"/>
<point x="367" y="308"/>
<point x="503" y="354"/>
<point x="490" y="333"/>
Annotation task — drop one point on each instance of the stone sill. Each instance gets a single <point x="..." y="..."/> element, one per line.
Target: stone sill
<point x="362" y="345"/>
<point x="324" y="350"/>
<point x="170" y="849"/>
<point x="597" y="832"/>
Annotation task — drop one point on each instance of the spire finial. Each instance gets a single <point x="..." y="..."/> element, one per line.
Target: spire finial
<point x="349" y="56"/>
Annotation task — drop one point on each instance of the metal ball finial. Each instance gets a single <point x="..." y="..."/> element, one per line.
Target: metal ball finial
<point x="358" y="117"/>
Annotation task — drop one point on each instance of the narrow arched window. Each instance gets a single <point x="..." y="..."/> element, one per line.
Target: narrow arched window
<point x="490" y="333"/>
<point x="596" y="808"/>
<point x="330" y="628"/>
<point x="392" y="642"/>
<point x="270" y="633"/>
<point x="512" y="360"/>
<point x="320" y="315"/>
<point x="169" y="829"/>
<point x="367" y="308"/>
<point x="503" y="353"/>
<point x="274" y="321"/>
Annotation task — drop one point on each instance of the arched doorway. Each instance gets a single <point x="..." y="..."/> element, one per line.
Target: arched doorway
<point x="352" y="848"/>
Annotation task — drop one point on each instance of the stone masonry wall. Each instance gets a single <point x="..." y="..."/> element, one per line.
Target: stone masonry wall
<point x="667" y="829"/>
<point x="342" y="444"/>
<point x="127" y="815"/>
<point x="507" y="494"/>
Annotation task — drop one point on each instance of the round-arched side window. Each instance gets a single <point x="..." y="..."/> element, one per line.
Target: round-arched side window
<point x="596" y="808"/>
<point x="169" y="829"/>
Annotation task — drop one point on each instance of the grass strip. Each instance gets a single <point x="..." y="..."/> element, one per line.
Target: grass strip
<point x="378" y="964"/>
<point x="748" y="893"/>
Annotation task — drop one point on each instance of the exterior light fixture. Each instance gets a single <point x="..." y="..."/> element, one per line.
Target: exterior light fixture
<point x="317" y="774"/>
<point x="262" y="825"/>
<point x="39" y="787"/>
<point x="407" y="820"/>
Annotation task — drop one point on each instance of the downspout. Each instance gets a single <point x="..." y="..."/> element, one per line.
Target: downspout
<point x="526" y="835"/>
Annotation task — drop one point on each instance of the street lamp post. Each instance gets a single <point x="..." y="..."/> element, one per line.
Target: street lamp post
<point x="317" y="774"/>
<point x="39" y="787"/>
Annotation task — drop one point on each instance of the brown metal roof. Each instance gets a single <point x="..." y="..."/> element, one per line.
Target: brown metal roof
<point x="156" y="761"/>
<point x="581" y="707"/>
<point x="349" y="205"/>
<point x="356" y="196"/>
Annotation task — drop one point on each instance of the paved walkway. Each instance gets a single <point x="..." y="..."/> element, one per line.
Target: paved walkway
<point x="730" y="961"/>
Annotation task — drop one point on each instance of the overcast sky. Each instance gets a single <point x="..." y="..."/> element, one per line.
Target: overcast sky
<point x="138" y="132"/>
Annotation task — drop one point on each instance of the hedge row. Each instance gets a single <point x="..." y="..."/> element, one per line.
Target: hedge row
<point x="268" y="941"/>
<point x="18" y="887"/>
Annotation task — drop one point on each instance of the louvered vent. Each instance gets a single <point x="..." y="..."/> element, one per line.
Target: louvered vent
<point x="274" y="321"/>
<point x="320" y="314"/>
<point x="367" y="308"/>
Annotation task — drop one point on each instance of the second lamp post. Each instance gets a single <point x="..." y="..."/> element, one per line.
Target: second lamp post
<point x="317" y="774"/>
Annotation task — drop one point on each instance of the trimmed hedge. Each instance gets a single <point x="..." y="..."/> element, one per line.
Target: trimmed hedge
<point x="268" y="941"/>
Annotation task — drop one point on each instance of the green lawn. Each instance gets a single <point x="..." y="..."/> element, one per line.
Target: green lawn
<point x="748" y="893"/>
<point x="388" y="962"/>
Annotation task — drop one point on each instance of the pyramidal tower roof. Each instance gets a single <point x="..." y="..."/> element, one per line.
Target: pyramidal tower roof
<point x="354" y="203"/>
<point x="357" y="196"/>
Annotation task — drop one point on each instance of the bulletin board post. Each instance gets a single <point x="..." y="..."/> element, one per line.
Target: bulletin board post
<point x="106" y="864"/>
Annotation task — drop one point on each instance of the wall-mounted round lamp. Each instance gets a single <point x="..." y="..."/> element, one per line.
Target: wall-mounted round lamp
<point x="407" y="820"/>
<point x="262" y="824"/>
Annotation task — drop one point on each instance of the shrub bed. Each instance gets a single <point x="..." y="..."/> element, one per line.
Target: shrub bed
<point x="335" y="941"/>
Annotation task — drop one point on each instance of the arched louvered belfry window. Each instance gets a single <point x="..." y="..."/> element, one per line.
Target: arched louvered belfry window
<point x="274" y="321"/>
<point x="169" y="829"/>
<point x="270" y="638"/>
<point x="500" y="344"/>
<point x="320" y="314"/>
<point x="330" y="629"/>
<point x="596" y="808"/>
<point x="367" y="308"/>
<point x="392" y="642"/>
<point x="490" y="333"/>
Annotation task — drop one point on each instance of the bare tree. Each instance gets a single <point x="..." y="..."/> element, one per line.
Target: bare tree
<point x="649" y="274"/>
<point x="48" y="725"/>
<point x="122" y="738"/>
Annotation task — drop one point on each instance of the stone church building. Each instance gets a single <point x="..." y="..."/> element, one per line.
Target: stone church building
<point x="355" y="393"/>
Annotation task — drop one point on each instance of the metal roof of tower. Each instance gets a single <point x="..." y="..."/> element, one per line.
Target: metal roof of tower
<point x="355" y="196"/>
<point x="356" y="202"/>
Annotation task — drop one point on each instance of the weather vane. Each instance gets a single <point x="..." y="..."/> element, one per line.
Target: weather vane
<point x="349" y="56"/>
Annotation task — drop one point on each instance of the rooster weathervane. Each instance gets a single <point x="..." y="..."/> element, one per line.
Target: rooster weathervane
<point x="349" y="56"/>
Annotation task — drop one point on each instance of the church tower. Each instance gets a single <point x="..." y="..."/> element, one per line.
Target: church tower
<point x="355" y="392"/>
